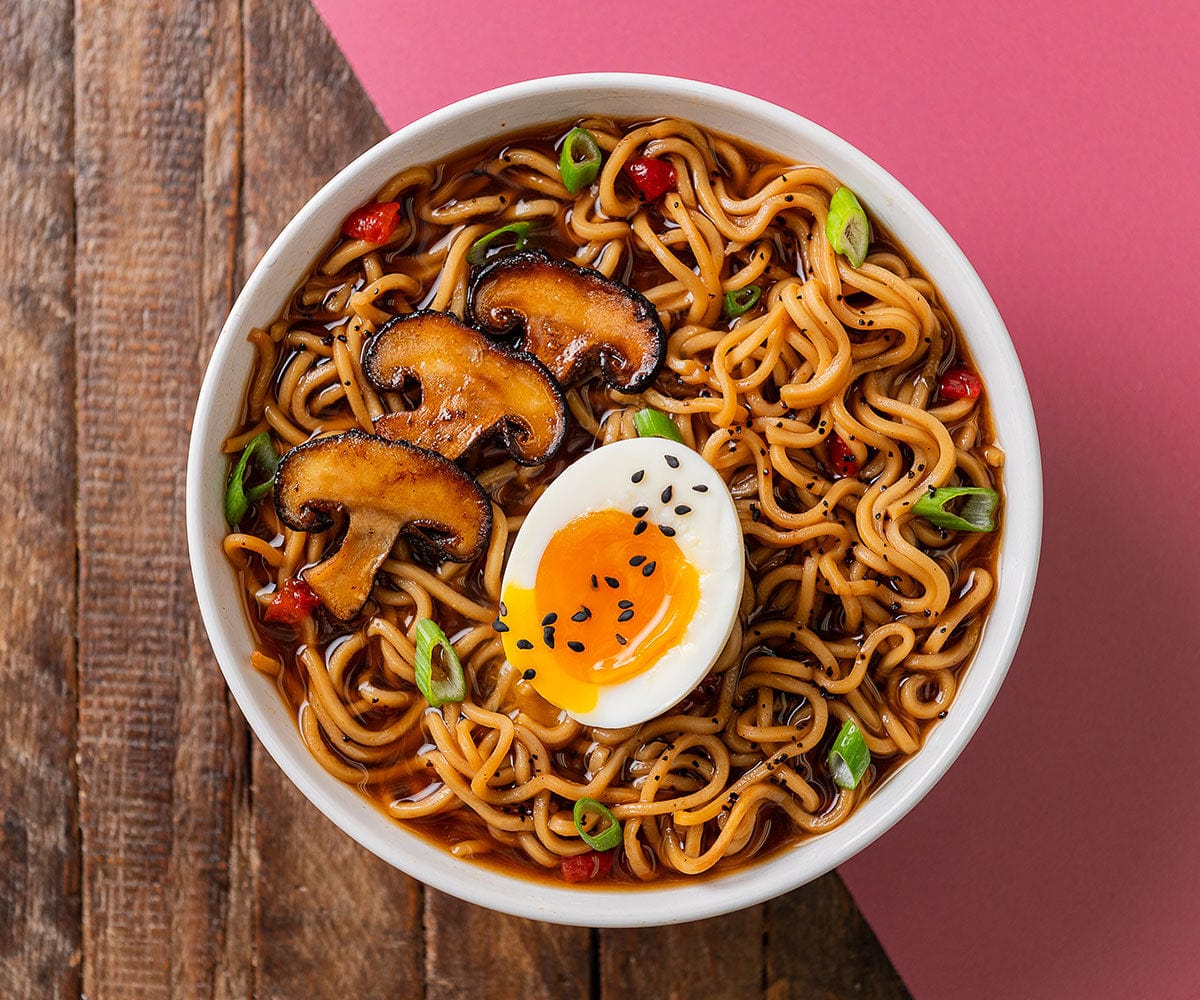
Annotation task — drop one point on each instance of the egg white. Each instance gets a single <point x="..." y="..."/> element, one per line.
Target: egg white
<point x="709" y="537"/>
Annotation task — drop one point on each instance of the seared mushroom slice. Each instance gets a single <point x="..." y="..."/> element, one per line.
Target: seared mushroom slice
<point x="570" y="316"/>
<point x="470" y="388"/>
<point x="384" y="487"/>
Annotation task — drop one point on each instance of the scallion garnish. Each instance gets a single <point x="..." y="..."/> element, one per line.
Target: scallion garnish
<point x="479" y="249"/>
<point x="741" y="300"/>
<point x="238" y="499"/>
<point x="849" y="756"/>
<point x="580" y="160"/>
<point x="606" y="839"/>
<point x="977" y="513"/>
<point x="452" y="685"/>
<point x="651" y="423"/>
<point x="847" y="226"/>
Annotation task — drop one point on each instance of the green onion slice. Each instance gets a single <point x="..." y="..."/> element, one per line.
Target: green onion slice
<point x="849" y="756"/>
<point x="652" y="424"/>
<point x="977" y="513"/>
<point x="239" y="499"/>
<point x="606" y="839"/>
<point x="847" y="226"/>
<point x="580" y="160"/>
<point x="478" y="252"/>
<point x="741" y="300"/>
<point x="452" y="686"/>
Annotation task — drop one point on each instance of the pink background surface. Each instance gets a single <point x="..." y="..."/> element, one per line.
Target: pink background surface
<point x="1058" y="143"/>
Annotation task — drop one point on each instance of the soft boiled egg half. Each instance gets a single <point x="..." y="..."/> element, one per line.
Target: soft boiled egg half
<point x="624" y="582"/>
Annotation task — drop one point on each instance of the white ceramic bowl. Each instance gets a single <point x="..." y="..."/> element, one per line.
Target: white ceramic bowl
<point x="437" y="137"/>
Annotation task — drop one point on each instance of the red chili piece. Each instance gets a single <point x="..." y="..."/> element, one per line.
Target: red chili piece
<point x="652" y="178"/>
<point x="292" y="603"/>
<point x="586" y="867"/>
<point x="374" y="222"/>
<point x="841" y="458"/>
<point x="960" y="383"/>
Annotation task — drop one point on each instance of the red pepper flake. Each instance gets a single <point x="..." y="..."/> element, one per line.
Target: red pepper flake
<point x="960" y="383"/>
<point x="292" y="603"/>
<point x="651" y="178"/>
<point x="841" y="458"/>
<point x="586" y="867"/>
<point x="374" y="222"/>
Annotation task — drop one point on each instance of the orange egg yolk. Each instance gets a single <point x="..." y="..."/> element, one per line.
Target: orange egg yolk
<point x="609" y="599"/>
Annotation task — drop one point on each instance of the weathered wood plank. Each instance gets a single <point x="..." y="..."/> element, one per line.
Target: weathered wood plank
<point x="328" y="913"/>
<point x="161" y="751"/>
<point x="39" y="839"/>
<point x="474" y="954"/>
<point x="716" y="959"/>
<point x="820" y="947"/>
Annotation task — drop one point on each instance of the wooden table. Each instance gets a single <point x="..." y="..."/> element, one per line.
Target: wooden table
<point x="148" y="845"/>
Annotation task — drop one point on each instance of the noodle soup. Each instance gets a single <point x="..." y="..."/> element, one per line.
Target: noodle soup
<point x="801" y="355"/>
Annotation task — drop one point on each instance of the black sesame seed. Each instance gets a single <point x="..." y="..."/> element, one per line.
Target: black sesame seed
<point x="548" y="637"/>
<point x="621" y="640"/>
<point x="503" y="609"/>
<point x="499" y="626"/>
<point x="575" y="647"/>
<point x="700" y="488"/>
<point x="524" y="644"/>
<point x="624" y="616"/>
<point x="550" y="619"/>
<point x="683" y="509"/>
<point x="638" y="476"/>
<point x="640" y="510"/>
<point x="639" y="527"/>
<point x="595" y="582"/>
<point x="649" y="568"/>
<point x="666" y="495"/>
<point x="612" y="581"/>
<point x="942" y="714"/>
<point x="530" y="674"/>
<point x="624" y="604"/>
<point x="672" y="461"/>
<point x="582" y="615"/>
<point x="636" y="560"/>
<point x="667" y="530"/>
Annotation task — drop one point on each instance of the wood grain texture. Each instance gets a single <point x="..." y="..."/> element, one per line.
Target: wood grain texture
<point x="819" y="947"/>
<point x="161" y="751"/>
<point x="719" y="959"/>
<point x="328" y="913"/>
<point x="39" y="837"/>
<point x="473" y="953"/>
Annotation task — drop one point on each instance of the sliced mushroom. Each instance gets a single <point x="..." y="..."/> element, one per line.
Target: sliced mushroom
<point x="570" y="317"/>
<point x="384" y="487"/>
<point x="470" y="389"/>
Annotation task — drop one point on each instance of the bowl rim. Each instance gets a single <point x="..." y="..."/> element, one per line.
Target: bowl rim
<point x="714" y="894"/>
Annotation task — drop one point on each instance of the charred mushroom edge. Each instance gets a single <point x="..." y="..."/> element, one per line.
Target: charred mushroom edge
<point x="370" y="473"/>
<point x="512" y="322"/>
<point x="517" y="419"/>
